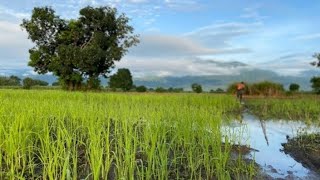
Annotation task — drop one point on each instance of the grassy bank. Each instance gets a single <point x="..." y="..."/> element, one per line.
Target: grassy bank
<point x="305" y="108"/>
<point x="64" y="135"/>
<point x="305" y="149"/>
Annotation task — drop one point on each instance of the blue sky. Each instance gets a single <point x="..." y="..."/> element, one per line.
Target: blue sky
<point x="181" y="37"/>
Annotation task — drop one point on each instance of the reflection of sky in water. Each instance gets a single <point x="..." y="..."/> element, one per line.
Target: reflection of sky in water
<point x="270" y="156"/>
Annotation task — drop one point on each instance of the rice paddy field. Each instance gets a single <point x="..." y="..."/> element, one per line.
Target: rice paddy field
<point x="83" y="135"/>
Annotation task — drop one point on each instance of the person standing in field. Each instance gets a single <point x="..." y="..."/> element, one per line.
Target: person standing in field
<point x="240" y="90"/>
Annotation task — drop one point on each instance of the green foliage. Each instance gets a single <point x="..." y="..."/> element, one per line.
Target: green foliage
<point x="10" y="81"/>
<point x="56" y="83"/>
<point x="218" y="90"/>
<point x="315" y="84"/>
<point x="83" y="48"/>
<point x="197" y="88"/>
<point x="265" y="88"/>
<point x="29" y="82"/>
<point x="294" y="87"/>
<point x="141" y="89"/>
<point x="175" y="90"/>
<point x="122" y="79"/>
<point x="317" y="62"/>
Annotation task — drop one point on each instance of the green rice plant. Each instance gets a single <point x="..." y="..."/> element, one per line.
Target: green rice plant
<point x="301" y="108"/>
<point x="47" y="134"/>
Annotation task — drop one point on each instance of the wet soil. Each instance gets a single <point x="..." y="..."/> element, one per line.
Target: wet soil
<point x="305" y="149"/>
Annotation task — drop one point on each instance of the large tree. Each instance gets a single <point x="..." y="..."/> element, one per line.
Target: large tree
<point x="83" y="48"/>
<point x="122" y="79"/>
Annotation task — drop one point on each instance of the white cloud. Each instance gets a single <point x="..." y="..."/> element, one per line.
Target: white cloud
<point x="185" y="5"/>
<point x="308" y="37"/>
<point x="4" y="11"/>
<point x="159" y="45"/>
<point x="137" y="1"/>
<point x="142" y="67"/>
<point x="14" y="45"/>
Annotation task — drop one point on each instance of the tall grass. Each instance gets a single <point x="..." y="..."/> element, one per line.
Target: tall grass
<point x="63" y="135"/>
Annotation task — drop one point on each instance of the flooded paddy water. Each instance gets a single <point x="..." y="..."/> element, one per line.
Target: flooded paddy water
<point x="266" y="138"/>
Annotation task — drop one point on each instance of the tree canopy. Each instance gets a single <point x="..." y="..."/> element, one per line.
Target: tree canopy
<point x="78" y="49"/>
<point x="317" y="61"/>
<point x="122" y="79"/>
<point x="315" y="84"/>
<point x="10" y="81"/>
<point x="196" y="87"/>
<point x="294" y="87"/>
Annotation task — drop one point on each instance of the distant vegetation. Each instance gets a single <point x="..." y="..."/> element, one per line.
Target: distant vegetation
<point x="10" y="81"/>
<point x="197" y="88"/>
<point x="265" y="88"/>
<point x="315" y="84"/>
<point x="294" y="87"/>
<point x="29" y="82"/>
<point x="122" y="80"/>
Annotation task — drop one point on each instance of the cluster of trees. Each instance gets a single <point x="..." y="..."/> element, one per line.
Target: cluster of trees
<point x="27" y="82"/>
<point x="10" y="81"/>
<point x="78" y="51"/>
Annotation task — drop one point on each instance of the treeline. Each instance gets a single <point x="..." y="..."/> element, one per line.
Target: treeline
<point x="26" y="83"/>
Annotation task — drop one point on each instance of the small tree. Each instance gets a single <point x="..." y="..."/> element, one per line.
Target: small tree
<point x="27" y="83"/>
<point x="315" y="84"/>
<point x="294" y="87"/>
<point x="122" y="79"/>
<point x="196" y="88"/>
<point x="141" y="89"/>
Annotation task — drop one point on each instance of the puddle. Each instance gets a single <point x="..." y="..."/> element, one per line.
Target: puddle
<point x="266" y="137"/>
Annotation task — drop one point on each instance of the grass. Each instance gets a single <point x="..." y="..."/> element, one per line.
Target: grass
<point x="304" y="108"/>
<point x="76" y="135"/>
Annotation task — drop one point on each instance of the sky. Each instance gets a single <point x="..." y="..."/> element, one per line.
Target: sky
<point x="184" y="37"/>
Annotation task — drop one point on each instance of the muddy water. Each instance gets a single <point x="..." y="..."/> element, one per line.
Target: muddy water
<point x="266" y="137"/>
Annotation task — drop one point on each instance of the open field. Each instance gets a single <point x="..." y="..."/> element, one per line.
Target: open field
<point x="64" y="135"/>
